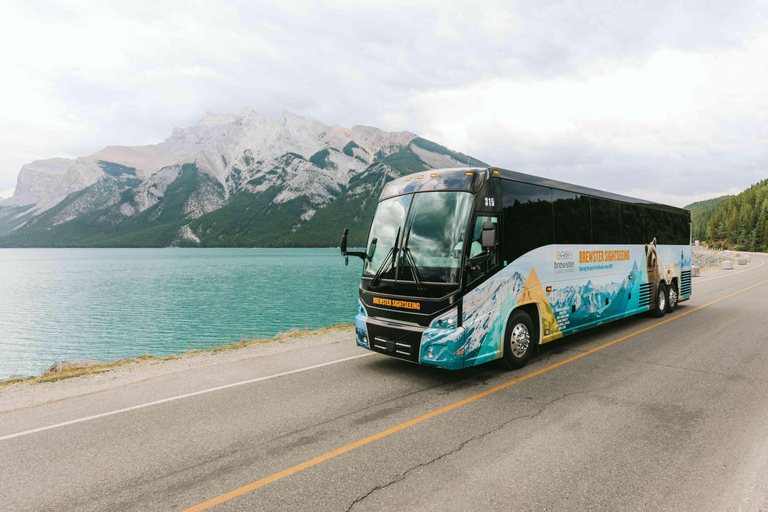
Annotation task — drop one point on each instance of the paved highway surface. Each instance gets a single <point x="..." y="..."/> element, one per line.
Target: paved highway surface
<point x="640" y="414"/>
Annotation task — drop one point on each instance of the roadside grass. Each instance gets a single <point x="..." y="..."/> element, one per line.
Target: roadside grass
<point x="74" y="372"/>
<point x="256" y="339"/>
<point x="104" y="368"/>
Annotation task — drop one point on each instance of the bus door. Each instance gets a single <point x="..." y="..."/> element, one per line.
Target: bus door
<point x="475" y="271"/>
<point x="486" y="215"/>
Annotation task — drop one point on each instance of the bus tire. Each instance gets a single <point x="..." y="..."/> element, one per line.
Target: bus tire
<point x="519" y="341"/>
<point x="673" y="296"/>
<point x="660" y="307"/>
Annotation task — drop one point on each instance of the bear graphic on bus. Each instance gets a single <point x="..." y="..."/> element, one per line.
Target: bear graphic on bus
<point x="657" y="271"/>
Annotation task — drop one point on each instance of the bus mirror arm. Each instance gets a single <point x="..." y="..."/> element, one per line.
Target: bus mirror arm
<point x="480" y="258"/>
<point x="346" y="253"/>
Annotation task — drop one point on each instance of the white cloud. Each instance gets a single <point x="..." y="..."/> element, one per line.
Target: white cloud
<point x="627" y="96"/>
<point x="674" y="102"/>
<point x="691" y="124"/>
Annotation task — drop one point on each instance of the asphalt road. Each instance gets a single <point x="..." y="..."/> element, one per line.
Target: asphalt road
<point x="664" y="415"/>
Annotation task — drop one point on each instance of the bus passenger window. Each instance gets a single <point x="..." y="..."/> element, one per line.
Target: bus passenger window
<point x="573" y="223"/>
<point x="527" y="211"/>
<point x="655" y="226"/>
<point x="632" y="225"/>
<point x="606" y="221"/>
<point x="682" y="229"/>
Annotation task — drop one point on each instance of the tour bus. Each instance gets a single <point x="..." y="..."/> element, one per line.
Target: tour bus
<point x="464" y="266"/>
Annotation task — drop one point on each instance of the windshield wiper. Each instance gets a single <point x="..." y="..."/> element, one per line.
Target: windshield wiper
<point x="390" y="256"/>
<point x="409" y="258"/>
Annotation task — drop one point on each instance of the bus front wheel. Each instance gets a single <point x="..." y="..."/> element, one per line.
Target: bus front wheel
<point x="520" y="340"/>
<point x="672" y="297"/>
<point x="661" y="301"/>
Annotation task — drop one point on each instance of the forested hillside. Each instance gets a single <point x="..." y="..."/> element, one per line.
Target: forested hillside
<point x="698" y="205"/>
<point x="739" y="221"/>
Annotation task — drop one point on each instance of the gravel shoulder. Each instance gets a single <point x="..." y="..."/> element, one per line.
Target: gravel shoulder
<point x="707" y="259"/>
<point x="35" y="391"/>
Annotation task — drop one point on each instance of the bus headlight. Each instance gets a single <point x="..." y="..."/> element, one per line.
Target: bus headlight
<point x="361" y="309"/>
<point x="448" y="320"/>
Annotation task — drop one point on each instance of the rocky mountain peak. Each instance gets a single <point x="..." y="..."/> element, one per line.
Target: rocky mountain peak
<point x="44" y="183"/>
<point x="376" y="137"/>
<point x="292" y="169"/>
<point x="212" y="118"/>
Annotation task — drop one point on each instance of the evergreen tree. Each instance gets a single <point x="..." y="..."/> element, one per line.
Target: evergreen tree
<point x="740" y="220"/>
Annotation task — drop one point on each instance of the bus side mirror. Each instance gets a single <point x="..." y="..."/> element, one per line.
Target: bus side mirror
<point x="345" y="253"/>
<point x="343" y="246"/>
<point x="488" y="238"/>
<point x="344" y="241"/>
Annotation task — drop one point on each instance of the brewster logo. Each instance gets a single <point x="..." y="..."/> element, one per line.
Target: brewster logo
<point x="564" y="262"/>
<point x="396" y="303"/>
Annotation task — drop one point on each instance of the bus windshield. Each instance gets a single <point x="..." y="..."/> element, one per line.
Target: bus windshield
<point x="431" y="237"/>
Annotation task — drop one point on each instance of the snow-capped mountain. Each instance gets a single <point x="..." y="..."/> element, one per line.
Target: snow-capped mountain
<point x="242" y="179"/>
<point x="588" y="299"/>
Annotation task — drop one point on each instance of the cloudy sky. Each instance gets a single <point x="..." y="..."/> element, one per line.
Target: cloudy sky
<point x="666" y="100"/>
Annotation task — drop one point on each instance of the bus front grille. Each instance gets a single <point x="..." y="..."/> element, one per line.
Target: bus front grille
<point x="394" y="341"/>
<point x="685" y="282"/>
<point x="645" y="294"/>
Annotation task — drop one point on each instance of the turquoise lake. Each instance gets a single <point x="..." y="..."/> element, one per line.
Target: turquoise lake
<point x="106" y="304"/>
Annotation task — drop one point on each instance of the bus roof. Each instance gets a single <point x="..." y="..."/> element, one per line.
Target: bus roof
<point x="458" y="178"/>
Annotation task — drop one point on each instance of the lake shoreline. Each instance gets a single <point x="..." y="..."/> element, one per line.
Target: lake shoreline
<point x="52" y="387"/>
<point x="110" y="304"/>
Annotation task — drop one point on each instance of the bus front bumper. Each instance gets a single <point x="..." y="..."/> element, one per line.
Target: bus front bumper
<point x="434" y="347"/>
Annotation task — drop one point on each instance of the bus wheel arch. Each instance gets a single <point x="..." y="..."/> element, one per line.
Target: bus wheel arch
<point x="523" y="325"/>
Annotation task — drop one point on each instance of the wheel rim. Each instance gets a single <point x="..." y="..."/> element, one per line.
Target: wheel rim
<point x="520" y="341"/>
<point x="672" y="297"/>
<point x="662" y="300"/>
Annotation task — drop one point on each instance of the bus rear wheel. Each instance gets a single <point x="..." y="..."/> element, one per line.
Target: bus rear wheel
<point x="520" y="340"/>
<point x="661" y="301"/>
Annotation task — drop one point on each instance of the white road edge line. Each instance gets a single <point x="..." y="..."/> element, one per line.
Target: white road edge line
<point x="173" y="398"/>
<point x="762" y="262"/>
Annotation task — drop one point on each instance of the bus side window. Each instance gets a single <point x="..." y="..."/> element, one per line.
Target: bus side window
<point x="573" y="223"/>
<point x="655" y="226"/>
<point x="632" y="225"/>
<point x="682" y="229"/>
<point x="606" y="221"/>
<point x="528" y="222"/>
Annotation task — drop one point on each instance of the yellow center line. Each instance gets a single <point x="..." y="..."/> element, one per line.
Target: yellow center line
<point x="397" y="428"/>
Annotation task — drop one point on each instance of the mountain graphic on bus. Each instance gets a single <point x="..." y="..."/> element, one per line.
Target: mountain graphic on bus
<point x="483" y="330"/>
<point x="534" y="294"/>
<point x="579" y="306"/>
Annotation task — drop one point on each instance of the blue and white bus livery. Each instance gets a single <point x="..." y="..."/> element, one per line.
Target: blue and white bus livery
<point x="465" y="266"/>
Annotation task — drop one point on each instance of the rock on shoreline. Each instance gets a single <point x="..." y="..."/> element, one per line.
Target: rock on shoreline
<point x="60" y="366"/>
<point x="283" y="334"/>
